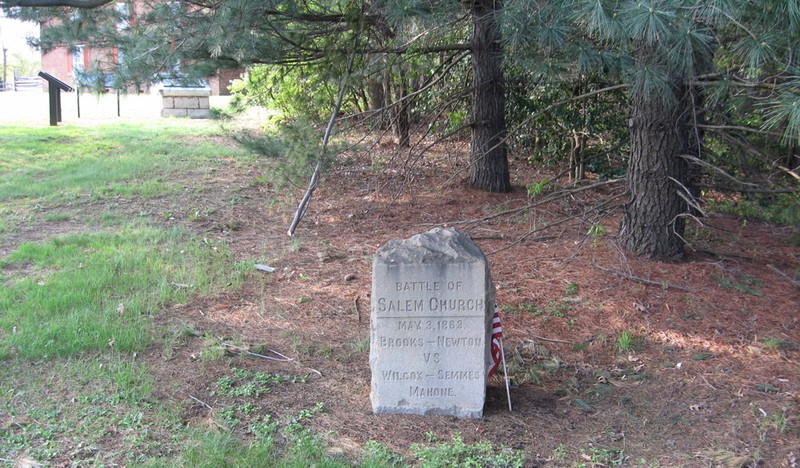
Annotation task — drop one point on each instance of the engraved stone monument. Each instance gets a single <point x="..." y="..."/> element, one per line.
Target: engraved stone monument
<point x="430" y="325"/>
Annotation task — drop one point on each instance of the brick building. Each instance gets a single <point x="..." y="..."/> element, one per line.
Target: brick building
<point x="66" y="65"/>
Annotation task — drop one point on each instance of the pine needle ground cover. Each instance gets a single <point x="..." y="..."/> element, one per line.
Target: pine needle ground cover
<point x="134" y="329"/>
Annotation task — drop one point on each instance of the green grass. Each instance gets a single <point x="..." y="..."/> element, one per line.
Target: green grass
<point x="458" y="453"/>
<point x="626" y="341"/>
<point x="63" y="163"/>
<point x="85" y="399"/>
<point x="95" y="291"/>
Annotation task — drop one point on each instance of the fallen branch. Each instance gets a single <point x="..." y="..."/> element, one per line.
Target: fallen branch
<point x="246" y="351"/>
<point x="280" y="358"/>
<point x="717" y="169"/>
<point x="546" y="199"/>
<point x="312" y="184"/>
<point x="201" y="402"/>
<point x="555" y="223"/>
<point x="551" y="340"/>
<point x="785" y="276"/>
<point x="790" y="172"/>
<point x="639" y="279"/>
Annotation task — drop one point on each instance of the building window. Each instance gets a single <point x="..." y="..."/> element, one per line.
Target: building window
<point x="78" y="59"/>
<point x="123" y="16"/>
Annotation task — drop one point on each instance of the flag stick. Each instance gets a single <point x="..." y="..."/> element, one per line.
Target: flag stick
<point x="505" y="374"/>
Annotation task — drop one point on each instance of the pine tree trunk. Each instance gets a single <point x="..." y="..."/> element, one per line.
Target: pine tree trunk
<point x="653" y="223"/>
<point x="400" y="117"/>
<point x="489" y="160"/>
<point x="375" y="95"/>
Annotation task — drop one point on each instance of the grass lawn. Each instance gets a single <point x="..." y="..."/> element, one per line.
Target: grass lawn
<point x="78" y="304"/>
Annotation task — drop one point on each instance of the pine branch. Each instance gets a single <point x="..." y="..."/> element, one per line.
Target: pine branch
<point x="719" y="128"/>
<point x="639" y="279"/>
<point x="83" y="4"/>
<point x="714" y="168"/>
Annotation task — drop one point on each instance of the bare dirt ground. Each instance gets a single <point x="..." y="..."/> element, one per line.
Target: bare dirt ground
<point x="712" y="378"/>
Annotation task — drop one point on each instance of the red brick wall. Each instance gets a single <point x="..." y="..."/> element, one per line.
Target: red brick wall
<point x="219" y="83"/>
<point x="58" y="62"/>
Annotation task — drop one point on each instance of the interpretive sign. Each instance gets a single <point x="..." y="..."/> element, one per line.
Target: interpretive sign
<point x="430" y="327"/>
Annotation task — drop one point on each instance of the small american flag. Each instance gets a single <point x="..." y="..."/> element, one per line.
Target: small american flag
<point x="497" y="334"/>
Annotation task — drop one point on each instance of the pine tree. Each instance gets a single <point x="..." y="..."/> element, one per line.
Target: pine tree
<point x="676" y="52"/>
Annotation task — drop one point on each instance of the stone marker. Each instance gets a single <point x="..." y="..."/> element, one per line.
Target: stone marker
<point x="430" y="325"/>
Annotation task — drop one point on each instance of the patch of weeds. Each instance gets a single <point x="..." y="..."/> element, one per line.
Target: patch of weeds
<point x="247" y="408"/>
<point x="626" y="341"/>
<point x="558" y="309"/>
<point x="244" y="383"/>
<point x="227" y="417"/>
<point x="296" y="244"/>
<point x="458" y="453"/>
<point x="580" y="346"/>
<point x="742" y="284"/>
<point x="534" y="374"/>
<point x="702" y="356"/>
<point x="223" y="448"/>
<point x="572" y="289"/>
<point x="508" y="309"/>
<point x="213" y="350"/>
<point x="689" y="315"/>
<point x="776" y="344"/>
<point x="603" y="457"/>
<point x="777" y="421"/>
<point x="533" y="377"/>
<point x="730" y="459"/>
<point x="783" y="209"/>
<point x="264" y="428"/>
<point x="359" y="345"/>
<point x="7" y="226"/>
<point x="698" y="233"/>
<point x="316" y="349"/>
<point x="109" y="397"/>
<point x="596" y="232"/>
<point x="537" y="188"/>
<point x="560" y="453"/>
<point x="571" y="324"/>
<point x="177" y="339"/>
<point x="524" y="307"/>
<point x="110" y="218"/>
<point x="376" y="455"/>
<point x="199" y="214"/>
<point x="766" y="388"/>
<point x="582" y="404"/>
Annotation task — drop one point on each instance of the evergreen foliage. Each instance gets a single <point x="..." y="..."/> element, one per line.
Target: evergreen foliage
<point x="586" y="81"/>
